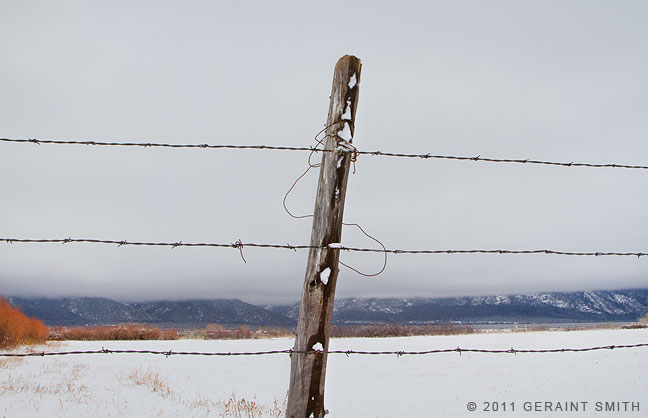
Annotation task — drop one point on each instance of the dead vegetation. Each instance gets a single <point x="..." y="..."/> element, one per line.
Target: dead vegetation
<point x="242" y="408"/>
<point x="220" y="332"/>
<point x="397" y="330"/>
<point x="150" y="379"/>
<point x="112" y="332"/>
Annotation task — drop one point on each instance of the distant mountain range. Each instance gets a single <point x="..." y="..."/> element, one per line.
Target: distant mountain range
<point x="593" y="306"/>
<point x="79" y="311"/>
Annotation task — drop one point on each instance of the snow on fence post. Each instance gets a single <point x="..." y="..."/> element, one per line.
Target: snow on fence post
<point x="308" y="371"/>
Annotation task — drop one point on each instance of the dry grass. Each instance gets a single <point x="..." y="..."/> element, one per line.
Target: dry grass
<point x="67" y="383"/>
<point x="590" y="327"/>
<point x="584" y="327"/>
<point x="9" y="363"/>
<point x="219" y="332"/>
<point x="273" y="332"/>
<point x="533" y="328"/>
<point x="192" y="334"/>
<point x="17" y="329"/>
<point x="397" y="330"/>
<point x="62" y="380"/>
<point x="151" y="380"/>
<point x="242" y="408"/>
<point x="238" y="408"/>
<point x="112" y="332"/>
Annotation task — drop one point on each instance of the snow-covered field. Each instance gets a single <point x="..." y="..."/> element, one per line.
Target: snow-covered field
<point x="435" y="385"/>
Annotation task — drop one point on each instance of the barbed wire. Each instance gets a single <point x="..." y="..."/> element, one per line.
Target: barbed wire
<point x="426" y="156"/>
<point x="315" y="352"/>
<point x="240" y="245"/>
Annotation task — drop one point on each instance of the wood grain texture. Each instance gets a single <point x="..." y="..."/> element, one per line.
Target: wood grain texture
<point x="308" y="371"/>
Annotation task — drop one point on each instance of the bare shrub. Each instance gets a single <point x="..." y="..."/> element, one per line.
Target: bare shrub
<point x="398" y="330"/>
<point x="16" y="328"/>
<point x="219" y="332"/>
<point x="635" y="326"/>
<point x="169" y="334"/>
<point x="113" y="332"/>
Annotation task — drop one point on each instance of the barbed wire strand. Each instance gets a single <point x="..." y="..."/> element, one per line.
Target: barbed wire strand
<point x="426" y="156"/>
<point x="319" y="352"/>
<point x="319" y="142"/>
<point x="239" y="245"/>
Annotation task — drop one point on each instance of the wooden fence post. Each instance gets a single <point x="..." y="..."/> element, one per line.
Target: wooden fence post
<point x="308" y="371"/>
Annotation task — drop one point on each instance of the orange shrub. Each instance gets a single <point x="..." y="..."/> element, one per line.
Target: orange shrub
<point x="16" y="328"/>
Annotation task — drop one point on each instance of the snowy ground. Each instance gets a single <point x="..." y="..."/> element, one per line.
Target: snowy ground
<point x="435" y="385"/>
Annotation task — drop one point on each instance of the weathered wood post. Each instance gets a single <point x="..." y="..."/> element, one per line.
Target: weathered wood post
<point x="308" y="371"/>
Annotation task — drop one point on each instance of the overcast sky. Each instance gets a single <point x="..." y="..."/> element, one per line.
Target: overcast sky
<point x="554" y="80"/>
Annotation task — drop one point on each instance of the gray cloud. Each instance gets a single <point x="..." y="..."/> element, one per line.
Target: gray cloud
<point x="542" y="80"/>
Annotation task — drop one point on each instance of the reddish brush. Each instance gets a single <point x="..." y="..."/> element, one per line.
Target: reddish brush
<point x="113" y="332"/>
<point x="16" y="328"/>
